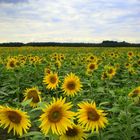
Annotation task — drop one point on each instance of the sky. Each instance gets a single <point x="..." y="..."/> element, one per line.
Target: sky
<point x="69" y="20"/>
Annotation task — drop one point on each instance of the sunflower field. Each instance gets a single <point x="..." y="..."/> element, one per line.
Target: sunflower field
<point x="59" y="93"/>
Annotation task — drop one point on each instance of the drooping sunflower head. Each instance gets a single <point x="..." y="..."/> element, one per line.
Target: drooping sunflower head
<point x="74" y="133"/>
<point x="71" y="85"/>
<point x="117" y="65"/>
<point x="34" y="94"/>
<point x="14" y="119"/>
<point x="132" y="71"/>
<point x="57" y="117"/>
<point x="90" y="117"/>
<point x="57" y="64"/>
<point x="47" y="71"/>
<point x="51" y="80"/>
<point x="104" y="76"/>
<point x="138" y="62"/>
<point x="135" y="92"/>
<point x="88" y="72"/>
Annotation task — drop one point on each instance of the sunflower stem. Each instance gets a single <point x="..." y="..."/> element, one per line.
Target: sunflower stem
<point x="99" y="136"/>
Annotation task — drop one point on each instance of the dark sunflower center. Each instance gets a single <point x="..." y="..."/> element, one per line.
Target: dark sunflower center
<point x="139" y="62"/>
<point x="104" y="75"/>
<point x="71" y="85"/>
<point x="12" y="64"/>
<point x="14" y="117"/>
<point x="110" y="71"/>
<point x="71" y="132"/>
<point x="33" y="94"/>
<point x="136" y="91"/>
<point x="92" y="57"/>
<point x="48" y="71"/>
<point x="53" y="79"/>
<point x="55" y="115"/>
<point x="92" y="115"/>
<point x="92" y="66"/>
<point x="18" y="64"/>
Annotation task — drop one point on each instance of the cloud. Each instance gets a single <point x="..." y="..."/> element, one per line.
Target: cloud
<point x="13" y="1"/>
<point x="74" y="21"/>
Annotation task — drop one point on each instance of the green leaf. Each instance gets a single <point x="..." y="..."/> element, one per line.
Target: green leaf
<point x="25" y="103"/>
<point x="33" y="133"/>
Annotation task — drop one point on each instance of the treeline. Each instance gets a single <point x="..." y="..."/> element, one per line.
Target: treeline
<point x="58" y="44"/>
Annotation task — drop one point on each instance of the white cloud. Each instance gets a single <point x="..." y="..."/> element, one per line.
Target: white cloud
<point x="75" y="20"/>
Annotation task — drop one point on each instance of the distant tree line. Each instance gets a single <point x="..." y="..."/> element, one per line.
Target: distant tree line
<point x="105" y="43"/>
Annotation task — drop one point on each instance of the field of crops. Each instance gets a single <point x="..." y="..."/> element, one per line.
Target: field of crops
<point x="58" y="93"/>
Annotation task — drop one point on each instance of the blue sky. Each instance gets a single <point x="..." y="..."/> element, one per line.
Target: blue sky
<point x="69" y="20"/>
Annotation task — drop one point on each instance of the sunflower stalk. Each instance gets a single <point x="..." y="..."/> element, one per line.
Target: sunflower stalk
<point x="99" y="135"/>
<point x="17" y="79"/>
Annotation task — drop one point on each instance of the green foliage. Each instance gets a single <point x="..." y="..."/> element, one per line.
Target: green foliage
<point x="110" y="95"/>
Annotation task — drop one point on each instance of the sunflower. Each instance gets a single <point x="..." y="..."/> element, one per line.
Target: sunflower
<point x="47" y="71"/>
<point x="92" y="66"/>
<point x="14" y="119"/>
<point x="57" y="117"/>
<point x="112" y="54"/>
<point x="88" y="72"/>
<point x="135" y="92"/>
<point x="104" y="76"/>
<point x="61" y="57"/>
<point x="71" y="85"/>
<point x="51" y="80"/>
<point x="57" y="64"/>
<point x="92" y="58"/>
<point x="138" y="62"/>
<point x="90" y="118"/>
<point x="34" y="94"/>
<point x="128" y="65"/>
<point x="11" y="64"/>
<point x="111" y="72"/>
<point x="74" y="133"/>
<point x="132" y="71"/>
<point x="32" y="59"/>
<point x="130" y="54"/>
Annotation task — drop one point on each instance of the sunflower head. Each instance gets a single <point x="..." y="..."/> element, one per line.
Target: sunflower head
<point x="92" y="66"/>
<point x="138" y="62"/>
<point x="74" y="133"/>
<point x="132" y="71"/>
<point x="14" y="119"/>
<point x="51" y="80"/>
<point x="71" y="85"/>
<point x="128" y="65"/>
<point x="135" y="92"/>
<point x="111" y="71"/>
<point x="90" y="117"/>
<point x="104" y="76"/>
<point x="34" y="94"/>
<point x="47" y="71"/>
<point x="57" y="117"/>
<point x="12" y="63"/>
<point x="92" y="58"/>
<point x="58" y="64"/>
<point x="130" y="54"/>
